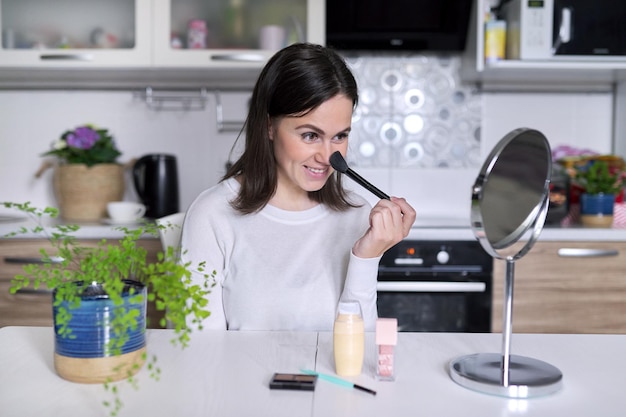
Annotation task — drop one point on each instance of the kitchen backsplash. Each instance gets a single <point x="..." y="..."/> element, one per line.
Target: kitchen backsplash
<point x="414" y="112"/>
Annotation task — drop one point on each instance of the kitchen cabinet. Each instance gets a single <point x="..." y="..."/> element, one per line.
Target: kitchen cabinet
<point x="70" y="34"/>
<point x="144" y="43"/>
<point x="234" y="29"/>
<point x="34" y="307"/>
<point x="566" y="287"/>
<point x="508" y="74"/>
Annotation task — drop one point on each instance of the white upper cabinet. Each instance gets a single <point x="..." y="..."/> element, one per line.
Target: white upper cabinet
<point x="75" y="34"/>
<point x="231" y="33"/>
<point x="136" y="34"/>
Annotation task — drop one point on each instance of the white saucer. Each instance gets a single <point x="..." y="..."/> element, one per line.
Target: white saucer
<point x="121" y="222"/>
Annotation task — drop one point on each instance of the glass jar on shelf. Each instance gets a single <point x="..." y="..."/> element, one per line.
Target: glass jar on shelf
<point x="69" y="33"/>
<point x="235" y="30"/>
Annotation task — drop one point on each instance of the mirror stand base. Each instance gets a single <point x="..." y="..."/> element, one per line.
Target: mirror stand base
<point x="527" y="377"/>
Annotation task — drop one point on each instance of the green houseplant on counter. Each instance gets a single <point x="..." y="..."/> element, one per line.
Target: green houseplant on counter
<point x="100" y="293"/>
<point x="601" y="185"/>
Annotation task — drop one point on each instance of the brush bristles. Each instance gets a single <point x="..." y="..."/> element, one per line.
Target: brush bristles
<point x="338" y="163"/>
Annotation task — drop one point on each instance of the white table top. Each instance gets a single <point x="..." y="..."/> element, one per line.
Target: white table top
<point x="227" y="374"/>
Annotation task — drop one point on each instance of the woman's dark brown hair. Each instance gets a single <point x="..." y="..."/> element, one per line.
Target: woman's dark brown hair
<point x="295" y="81"/>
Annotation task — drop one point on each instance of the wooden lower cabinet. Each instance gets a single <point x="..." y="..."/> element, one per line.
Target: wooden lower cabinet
<point x="34" y="307"/>
<point x="553" y="293"/>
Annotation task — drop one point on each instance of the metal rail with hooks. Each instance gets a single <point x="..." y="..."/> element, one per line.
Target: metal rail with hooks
<point x="189" y="101"/>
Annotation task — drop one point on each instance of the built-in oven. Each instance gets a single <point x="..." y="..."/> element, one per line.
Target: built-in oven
<point x="436" y="286"/>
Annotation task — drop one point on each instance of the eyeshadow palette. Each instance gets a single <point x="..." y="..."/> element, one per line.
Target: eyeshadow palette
<point x="293" y="381"/>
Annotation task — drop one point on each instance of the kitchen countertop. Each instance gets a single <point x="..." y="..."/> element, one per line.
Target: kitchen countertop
<point x="549" y="233"/>
<point x="424" y="231"/>
<point x="88" y="230"/>
<point x="227" y="374"/>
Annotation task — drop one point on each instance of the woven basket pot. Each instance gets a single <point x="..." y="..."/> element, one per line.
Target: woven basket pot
<point x="83" y="192"/>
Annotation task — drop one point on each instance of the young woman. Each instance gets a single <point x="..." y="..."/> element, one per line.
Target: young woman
<point x="286" y="240"/>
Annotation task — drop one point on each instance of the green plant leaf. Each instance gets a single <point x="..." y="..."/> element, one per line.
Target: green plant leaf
<point x="597" y="178"/>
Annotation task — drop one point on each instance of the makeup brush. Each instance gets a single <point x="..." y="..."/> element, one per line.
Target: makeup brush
<point x="338" y="381"/>
<point x="340" y="164"/>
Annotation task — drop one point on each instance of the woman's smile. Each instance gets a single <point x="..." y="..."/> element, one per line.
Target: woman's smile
<point x="318" y="172"/>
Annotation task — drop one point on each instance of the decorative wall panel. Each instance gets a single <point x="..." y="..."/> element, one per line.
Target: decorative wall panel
<point x="414" y="112"/>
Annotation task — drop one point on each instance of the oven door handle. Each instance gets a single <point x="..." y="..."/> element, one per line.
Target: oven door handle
<point x="430" y="286"/>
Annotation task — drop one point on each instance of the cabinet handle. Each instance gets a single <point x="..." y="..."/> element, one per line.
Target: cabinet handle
<point x="67" y="57"/>
<point x="239" y="57"/>
<point x="33" y="260"/>
<point x="30" y="291"/>
<point x="586" y="253"/>
<point x="429" y="286"/>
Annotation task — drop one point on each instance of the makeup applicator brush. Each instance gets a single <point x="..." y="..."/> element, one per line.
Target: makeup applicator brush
<point x="340" y="164"/>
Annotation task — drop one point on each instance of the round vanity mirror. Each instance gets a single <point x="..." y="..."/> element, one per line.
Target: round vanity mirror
<point x="509" y="197"/>
<point x="510" y="200"/>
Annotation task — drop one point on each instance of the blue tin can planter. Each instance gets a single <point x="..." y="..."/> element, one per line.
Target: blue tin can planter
<point x="596" y="210"/>
<point x="86" y="355"/>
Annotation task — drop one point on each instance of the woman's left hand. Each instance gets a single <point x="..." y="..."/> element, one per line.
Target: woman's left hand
<point x="390" y="222"/>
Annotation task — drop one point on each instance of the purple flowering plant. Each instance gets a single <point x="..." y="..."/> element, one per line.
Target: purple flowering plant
<point x="85" y="144"/>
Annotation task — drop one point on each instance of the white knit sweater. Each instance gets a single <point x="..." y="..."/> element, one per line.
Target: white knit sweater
<point x="278" y="269"/>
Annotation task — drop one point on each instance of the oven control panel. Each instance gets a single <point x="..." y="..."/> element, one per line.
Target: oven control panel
<point x="437" y="254"/>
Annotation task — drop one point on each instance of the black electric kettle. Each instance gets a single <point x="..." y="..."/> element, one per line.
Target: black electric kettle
<point x="156" y="182"/>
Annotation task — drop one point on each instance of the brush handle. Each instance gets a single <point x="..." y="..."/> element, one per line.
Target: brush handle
<point x="338" y="381"/>
<point x="366" y="184"/>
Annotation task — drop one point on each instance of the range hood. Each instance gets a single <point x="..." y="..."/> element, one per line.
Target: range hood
<point x="403" y="25"/>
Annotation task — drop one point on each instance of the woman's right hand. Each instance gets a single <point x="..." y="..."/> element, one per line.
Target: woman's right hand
<point x="390" y="222"/>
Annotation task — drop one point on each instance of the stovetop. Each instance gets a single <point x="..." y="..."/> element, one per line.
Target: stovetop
<point x="441" y="228"/>
<point x="441" y="222"/>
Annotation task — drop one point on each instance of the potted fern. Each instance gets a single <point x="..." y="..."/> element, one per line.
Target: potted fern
<point x="99" y="299"/>
<point x="601" y="185"/>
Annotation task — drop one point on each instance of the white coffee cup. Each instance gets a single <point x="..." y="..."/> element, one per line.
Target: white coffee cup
<point x="125" y="211"/>
<point x="272" y="37"/>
